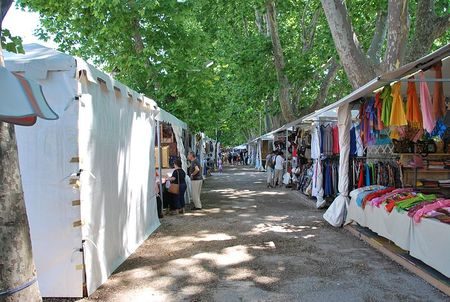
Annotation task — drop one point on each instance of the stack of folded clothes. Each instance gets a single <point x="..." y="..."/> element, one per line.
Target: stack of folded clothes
<point x="429" y="183"/>
<point x="435" y="164"/>
<point x="445" y="183"/>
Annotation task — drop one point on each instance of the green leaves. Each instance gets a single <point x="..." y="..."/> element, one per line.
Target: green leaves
<point x="11" y="43"/>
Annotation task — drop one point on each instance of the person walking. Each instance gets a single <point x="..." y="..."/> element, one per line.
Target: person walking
<point x="196" y="180"/>
<point x="177" y="201"/>
<point x="278" y="178"/>
<point x="270" y="164"/>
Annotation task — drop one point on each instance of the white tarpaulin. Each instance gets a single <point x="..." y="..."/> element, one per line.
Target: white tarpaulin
<point x="427" y="240"/>
<point x="118" y="208"/>
<point x="105" y="135"/>
<point x="336" y="212"/>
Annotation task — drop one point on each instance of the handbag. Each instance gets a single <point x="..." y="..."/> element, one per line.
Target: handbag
<point x="175" y="188"/>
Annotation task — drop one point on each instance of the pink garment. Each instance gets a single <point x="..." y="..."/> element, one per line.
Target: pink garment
<point x="429" y="120"/>
<point x="441" y="203"/>
<point x="379" y="200"/>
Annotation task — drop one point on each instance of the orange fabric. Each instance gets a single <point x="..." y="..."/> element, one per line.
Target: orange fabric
<point x="398" y="117"/>
<point x="439" y="108"/>
<point x="413" y="112"/>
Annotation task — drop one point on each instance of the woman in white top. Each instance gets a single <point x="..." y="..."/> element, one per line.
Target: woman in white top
<point x="279" y="162"/>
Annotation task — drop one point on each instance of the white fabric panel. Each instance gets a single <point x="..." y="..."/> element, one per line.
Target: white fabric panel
<point x="335" y="214"/>
<point x="315" y="142"/>
<point x="427" y="241"/>
<point x="118" y="203"/>
<point x="317" y="189"/>
<point x="430" y="242"/>
<point x="394" y="226"/>
<point x="45" y="151"/>
<point x="165" y="116"/>
<point x="178" y="131"/>
<point x="38" y="60"/>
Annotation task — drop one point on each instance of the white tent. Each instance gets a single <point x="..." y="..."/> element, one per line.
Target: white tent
<point x="87" y="177"/>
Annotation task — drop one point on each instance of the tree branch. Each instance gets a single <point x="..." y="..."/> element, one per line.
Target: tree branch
<point x="355" y="63"/>
<point x="374" y="51"/>
<point x="332" y="69"/>
<point x="278" y="55"/>
<point x="441" y="25"/>
<point x="397" y="38"/>
<point x="428" y="27"/>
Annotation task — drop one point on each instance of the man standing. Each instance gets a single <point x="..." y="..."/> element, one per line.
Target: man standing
<point x="270" y="163"/>
<point x="196" y="180"/>
<point x="278" y="178"/>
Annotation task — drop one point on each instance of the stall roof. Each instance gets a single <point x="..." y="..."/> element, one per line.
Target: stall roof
<point x="405" y="71"/>
<point x="164" y="116"/>
<point x="39" y="60"/>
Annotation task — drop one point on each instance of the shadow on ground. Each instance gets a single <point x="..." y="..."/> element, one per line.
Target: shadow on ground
<point x="251" y="243"/>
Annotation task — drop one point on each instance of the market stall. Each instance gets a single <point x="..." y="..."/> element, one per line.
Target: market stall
<point x="397" y="184"/>
<point x="87" y="177"/>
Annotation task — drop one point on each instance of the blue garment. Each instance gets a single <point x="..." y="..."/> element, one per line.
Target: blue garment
<point x="328" y="188"/>
<point x="352" y="142"/>
<point x="321" y="139"/>
<point x="367" y="174"/>
<point x="360" y="197"/>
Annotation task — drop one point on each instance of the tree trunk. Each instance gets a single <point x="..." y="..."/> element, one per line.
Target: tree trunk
<point x="379" y="36"/>
<point x="397" y="38"/>
<point x="16" y="257"/>
<point x="356" y="65"/>
<point x="283" y="82"/>
<point x="428" y="27"/>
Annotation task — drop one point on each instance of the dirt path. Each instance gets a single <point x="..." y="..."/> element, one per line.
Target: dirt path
<point x="256" y="244"/>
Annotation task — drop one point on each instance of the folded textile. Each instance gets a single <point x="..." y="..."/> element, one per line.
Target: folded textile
<point x="377" y="201"/>
<point x="377" y="193"/>
<point x="409" y="203"/>
<point x="441" y="203"/>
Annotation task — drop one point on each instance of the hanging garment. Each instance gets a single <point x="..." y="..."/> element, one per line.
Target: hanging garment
<point x="387" y="105"/>
<point x="370" y="121"/>
<point x="361" y="175"/>
<point x="367" y="174"/>
<point x="352" y="142"/>
<point x="413" y="113"/>
<point x="315" y="143"/>
<point x="335" y="132"/>
<point x="439" y="108"/>
<point x="379" y="108"/>
<point x="429" y="120"/>
<point x="359" y="143"/>
<point x="398" y="117"/>
<point x="327" y="140"/>
<point x="322" y="133"/>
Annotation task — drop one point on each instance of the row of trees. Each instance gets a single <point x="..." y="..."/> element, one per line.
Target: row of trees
<point x="272" y="60"/>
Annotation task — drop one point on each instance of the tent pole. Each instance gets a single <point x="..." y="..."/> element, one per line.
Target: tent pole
<point x="286" y="161"/>
<point x="158" y="135"/>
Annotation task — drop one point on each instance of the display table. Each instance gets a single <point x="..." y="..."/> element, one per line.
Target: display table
<point x="428" y="241"/>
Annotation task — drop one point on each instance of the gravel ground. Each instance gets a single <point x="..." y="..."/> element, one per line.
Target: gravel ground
<point x="250" y="243"/>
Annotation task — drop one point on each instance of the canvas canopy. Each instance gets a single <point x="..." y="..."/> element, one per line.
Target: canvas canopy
<point x="88" y="189"/>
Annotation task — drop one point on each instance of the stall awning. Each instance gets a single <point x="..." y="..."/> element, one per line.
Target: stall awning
<point x="164" y="116"/>
<point x="22" y="100"/>
<point x="407" y="70"/>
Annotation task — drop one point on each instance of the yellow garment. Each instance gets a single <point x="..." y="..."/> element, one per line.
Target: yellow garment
<point x="398" y="117"/>
<point x="413" y="112"/>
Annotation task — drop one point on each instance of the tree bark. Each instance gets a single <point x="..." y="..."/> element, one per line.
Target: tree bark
<point x="16" y="256"/>
<point x="397" y="38"/>
<point x="283" y="82"/>
<point x="356" y="65"/>
<point x="379" y="36"/>
<point x="428" y="27"/>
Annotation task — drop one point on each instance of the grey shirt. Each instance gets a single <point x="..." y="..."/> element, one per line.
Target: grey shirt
<point x="197" y="176"/>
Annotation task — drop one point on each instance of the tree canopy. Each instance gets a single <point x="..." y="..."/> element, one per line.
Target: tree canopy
<point x="233" y="67"/>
